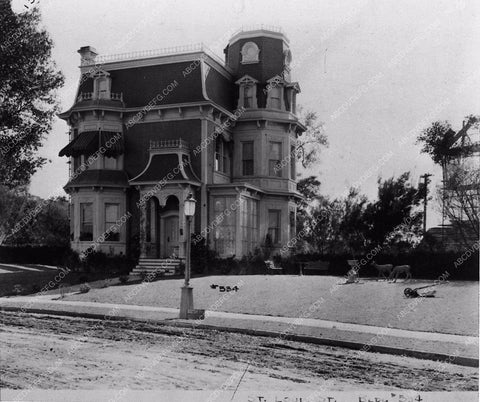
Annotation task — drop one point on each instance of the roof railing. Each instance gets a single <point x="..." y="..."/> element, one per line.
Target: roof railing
<point x="258" y="27"/>
<point x="171" y="143"/>
<point x="146" y="54"/>
<point x="84" y="96"/>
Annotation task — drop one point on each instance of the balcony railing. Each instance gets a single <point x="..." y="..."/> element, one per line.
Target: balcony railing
<point x="162" y="144"/>
<point x="85" y="96"/>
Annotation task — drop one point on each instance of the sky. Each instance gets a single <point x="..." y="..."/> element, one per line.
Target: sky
<point x="375" y="71"/>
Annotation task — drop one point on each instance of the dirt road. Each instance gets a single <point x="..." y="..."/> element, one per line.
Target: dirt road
<point x="51" y="352"/>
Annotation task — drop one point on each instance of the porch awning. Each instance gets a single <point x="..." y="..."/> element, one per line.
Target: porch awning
<point x="168" y="167"/>
<point x="89" y="142"/>
<point x="99" y="178"/>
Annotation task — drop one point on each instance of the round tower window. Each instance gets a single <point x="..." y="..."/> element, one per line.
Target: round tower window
<point x="250" y="52"/>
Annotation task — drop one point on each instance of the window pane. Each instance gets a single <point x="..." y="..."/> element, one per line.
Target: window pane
<point x="219" y="205"/>
<point x="247" y="150"/>
<point x="248" y="97"/>
<point x="86" y="222"/>
<point x="275" y="156"/>
<point x="275" y="150"/>
<point x="110" y="163"/>
<point x="111" y="212"/>
<point x="274" y="225"/>
<point x="292" y="225"/>
<point x="224" y="223"/>
<point x="247" y="158"/>
<point x="275" y="98"/>
<point x="111" y="217"/>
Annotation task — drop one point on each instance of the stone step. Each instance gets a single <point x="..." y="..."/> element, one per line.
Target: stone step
<point x="138" y="269"/>
<point x="149" y="265"/>
<point x="166" y="260"/>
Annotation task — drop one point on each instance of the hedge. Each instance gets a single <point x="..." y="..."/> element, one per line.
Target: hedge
<point x="46" y="255"/>
<point x="425" y="264"/>
<point x="66" y="257"/>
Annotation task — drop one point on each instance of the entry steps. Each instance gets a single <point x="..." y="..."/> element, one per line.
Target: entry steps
<point x="167" y="266"/>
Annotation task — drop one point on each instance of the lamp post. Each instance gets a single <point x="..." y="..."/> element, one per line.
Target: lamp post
<point x="186" y="301"/>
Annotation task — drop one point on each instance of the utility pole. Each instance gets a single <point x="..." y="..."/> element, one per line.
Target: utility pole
<point x="426" y="181"/>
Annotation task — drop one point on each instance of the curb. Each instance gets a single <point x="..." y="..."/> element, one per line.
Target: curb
<point x="459" y="360"/>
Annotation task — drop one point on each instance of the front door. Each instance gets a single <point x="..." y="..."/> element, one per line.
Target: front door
<point x="170" y="236"/>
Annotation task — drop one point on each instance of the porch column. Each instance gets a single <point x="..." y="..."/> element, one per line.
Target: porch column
<point x="143" y="230"/>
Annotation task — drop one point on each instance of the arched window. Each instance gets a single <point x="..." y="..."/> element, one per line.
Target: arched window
<point x="250" y="52"/>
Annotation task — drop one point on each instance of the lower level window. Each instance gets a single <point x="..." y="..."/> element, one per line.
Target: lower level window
<point x="86" y="221"/>
<point x="224" y="210"/>
<point x="292" y="225"/>
<point x="112" y="230"/>
<point x="274" y="225"/>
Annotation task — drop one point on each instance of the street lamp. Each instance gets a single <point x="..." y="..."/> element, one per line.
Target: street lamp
<point x="186" y="300"/>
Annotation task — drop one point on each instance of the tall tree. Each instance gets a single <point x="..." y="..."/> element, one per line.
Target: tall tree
<point x="311" y="142"/>
<point x="29" y="79"/>
<point x="395" y="216"/>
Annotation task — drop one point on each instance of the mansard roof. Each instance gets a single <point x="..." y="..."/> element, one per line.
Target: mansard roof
<point x="186" y="77"/>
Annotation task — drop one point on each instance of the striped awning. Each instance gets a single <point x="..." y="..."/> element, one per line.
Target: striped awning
<point x="89" y="142"/>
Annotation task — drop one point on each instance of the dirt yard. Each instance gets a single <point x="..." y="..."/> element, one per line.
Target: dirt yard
<point x="454" y="310"/>
<point x="71" y="353"/>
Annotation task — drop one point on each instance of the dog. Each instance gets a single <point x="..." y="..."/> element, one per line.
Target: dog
<point x="383" y="270"/>
<point x="401" y="269"/>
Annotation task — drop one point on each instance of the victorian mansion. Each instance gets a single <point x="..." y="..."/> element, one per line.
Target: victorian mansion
<point x="149" y="128"/>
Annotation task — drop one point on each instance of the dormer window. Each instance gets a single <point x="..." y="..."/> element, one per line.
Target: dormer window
<point x="247" y="92"/>
<point x="275" y="98"/>
<point x="292" y="89"/>
<point x="250" y="52"/>
<point x="101" y="85"/>
<point x="248" y="96"/>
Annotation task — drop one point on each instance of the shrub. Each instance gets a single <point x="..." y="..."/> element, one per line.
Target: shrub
<point x="48" y="255"/>
<point x="83" y="278"/>
<point x="71" y="259"/>
<point x="253" y="264"/>
<point x="202" y="256"/>
<point x="18" y="289"/>
<point x="84" y="288"/>
<point x="35" y="288"/>
<point x="98" y="261"/>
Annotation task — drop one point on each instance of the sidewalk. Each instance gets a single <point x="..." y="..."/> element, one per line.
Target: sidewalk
<point x="456" y="349"/>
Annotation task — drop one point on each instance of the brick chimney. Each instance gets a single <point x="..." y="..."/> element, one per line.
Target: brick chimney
<point x="87" y="55"/>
